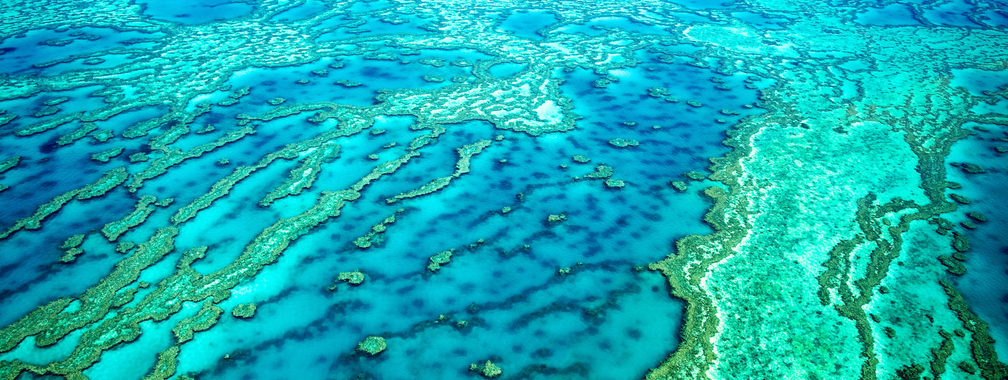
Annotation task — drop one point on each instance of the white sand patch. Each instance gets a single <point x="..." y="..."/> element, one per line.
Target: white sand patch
<point x="549" y="112"/>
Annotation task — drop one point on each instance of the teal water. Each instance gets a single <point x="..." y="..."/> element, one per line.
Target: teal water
<point x="558" y="151"/>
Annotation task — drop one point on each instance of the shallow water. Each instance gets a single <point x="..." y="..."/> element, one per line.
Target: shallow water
<point x="565" y="191"/>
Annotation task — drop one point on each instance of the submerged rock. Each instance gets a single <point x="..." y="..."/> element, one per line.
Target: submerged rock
<point x="488" y="369"/>
<point x="613" y="183"/>
<point x="244" y="310"/>
<point x="353" y="278"/>
<point x="970" y="168"/>
<point x="623" y="143"/>
<point x="553" y="219"/>
<point x="439" y="259"/>
<point x="372" y="345"/>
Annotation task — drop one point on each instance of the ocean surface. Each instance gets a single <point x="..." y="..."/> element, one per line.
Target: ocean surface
<point x="395" y="189"/>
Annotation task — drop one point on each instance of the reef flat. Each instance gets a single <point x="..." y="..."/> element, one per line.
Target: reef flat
<point x="530" y="190"/>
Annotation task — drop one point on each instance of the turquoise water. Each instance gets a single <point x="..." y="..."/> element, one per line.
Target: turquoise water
<point x="250" y="189"/>
<point x="194" y="11"/>
<point x="601" y="25"/>
<point x="506" y="69"/>
<point x="49" y="52"/>
<point x="889" y="15"/>
<point x="527" y="23"/>
<point x="982" y="283"/>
